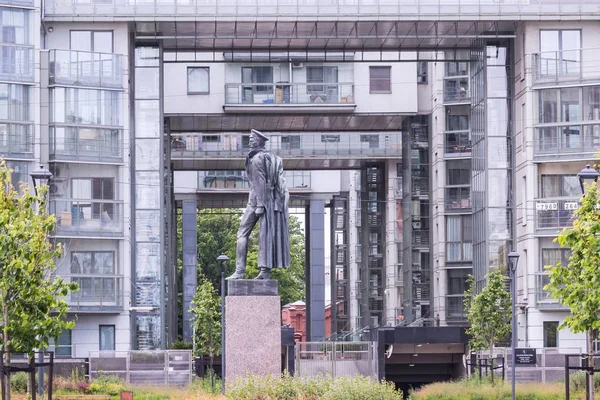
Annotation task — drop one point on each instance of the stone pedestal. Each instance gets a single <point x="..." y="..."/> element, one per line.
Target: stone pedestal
<point x="252" y="329"/>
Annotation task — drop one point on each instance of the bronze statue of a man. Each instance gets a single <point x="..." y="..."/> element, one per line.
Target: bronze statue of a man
<point x="267" y="205"/>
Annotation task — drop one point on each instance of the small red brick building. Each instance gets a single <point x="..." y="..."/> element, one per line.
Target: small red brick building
<point x="294" y="315"/>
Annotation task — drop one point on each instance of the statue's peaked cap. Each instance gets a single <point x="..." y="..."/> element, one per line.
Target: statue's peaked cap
<point x="259" y="134"/>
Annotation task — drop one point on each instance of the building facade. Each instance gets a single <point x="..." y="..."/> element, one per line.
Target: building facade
<point x="435" y="144"/>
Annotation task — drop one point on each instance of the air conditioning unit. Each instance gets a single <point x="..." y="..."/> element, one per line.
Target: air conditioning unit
<point x="57" y="187"/>
<point x="297" y="64"/>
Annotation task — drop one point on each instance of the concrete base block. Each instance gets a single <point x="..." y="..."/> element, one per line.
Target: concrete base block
<point x="252" y="336"/>
<point x="252" y="287"/>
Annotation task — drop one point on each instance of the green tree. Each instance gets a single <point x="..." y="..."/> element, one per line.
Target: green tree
<point x="488" y="312"/>
<point x="206" y="311"/>
<point x="32" y="311"/>
<point x="575" y="285"/>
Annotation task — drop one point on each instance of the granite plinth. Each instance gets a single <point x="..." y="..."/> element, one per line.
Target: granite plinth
<point x="252" y="287"/>
<point x="252" y="336"/>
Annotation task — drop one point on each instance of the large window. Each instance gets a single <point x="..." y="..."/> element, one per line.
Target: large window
<point x="380" y="79"/>
<point x="457" y="68"/>
<point x="555" y="256"/>
<point x="258" y="75"/>
<point x="14" y="102"/>
<point x="198" y="80"/>
<point x="15" y="26"/>
<point x="93" y="262"/>
<point x="550" y="334"/>
<point x="322" y="75"/>
<point x="422" y="72"/>
<point x="86" y="107"/>
<point x="62" y="347"/>
<point x="96" y="41"/>
<point x="560" y="52"/>
<point x="91" y="189"/>
<point x="107" y="337"/>
<point x="457" y="122"/>
<point x="458" y="172"/>
<point x="560" y="186"/>
<point x="457" y="280"/>
<point x="459" y="238"/>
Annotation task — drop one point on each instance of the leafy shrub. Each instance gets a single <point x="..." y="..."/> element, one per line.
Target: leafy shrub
<point x="326" y="388"/>
<point x="577" y="381"/>
<point x="181" y="345"/>
<point x="19" y="381"/>
<point x="105" y="384"/>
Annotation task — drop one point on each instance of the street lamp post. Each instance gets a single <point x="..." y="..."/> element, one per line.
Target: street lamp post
<point x="222" y="259"/>
<point x="43" y="176"/>
<point x="513" y="258"/>
<point x="587" y="174"/>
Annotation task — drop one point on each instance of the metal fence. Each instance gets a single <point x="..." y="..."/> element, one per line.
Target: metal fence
<point x="161" y="367"/>
<point x="336" y="359"/>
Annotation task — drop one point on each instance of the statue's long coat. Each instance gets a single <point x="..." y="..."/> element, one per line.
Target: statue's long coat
<point x="269" y="190"/>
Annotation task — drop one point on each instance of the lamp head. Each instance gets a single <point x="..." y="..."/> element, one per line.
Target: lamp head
<point x="222" y="258"/>
<point x="41" y="174"/>
<point x="513" y="259"/>
<point x="587" y="174"/>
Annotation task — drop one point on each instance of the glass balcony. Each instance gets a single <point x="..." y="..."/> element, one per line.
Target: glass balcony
<point x="458" y="143"/>
<point x="542" y="297"/>
<point x="89" y="217"/>
<point x="82" y="68"/>
<point x="16" y="140"/>
<point x="552" y="214"/>
<point x="455" y="309"/>
<point x="290" y="94"/>
<point x="201" y="145"/>
<point x="16" y="63"/>
<point x="458" y="199"/>
<point x="238" y="180"/>
<point x="97" y="293"/>
<point x="456" y="90"/>
<point x="566" y="142"/>
<point x="77" y="143"/>
<point x="564" y="66"/>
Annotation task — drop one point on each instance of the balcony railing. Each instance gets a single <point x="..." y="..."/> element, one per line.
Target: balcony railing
<point x="458" y="143"/>
<point x="16" y="63"/>
<point x="22" y="3"/>
<point x="458" y="199"/>
<point x="564" y="66"/>
<point x="237" y="180"/>
<point x="16" y="140"/>
<point x="567" y="142"/>
<point x="97" y="293"/>
<point x="77" y="143"/>
<point x="82" y="68"/>
<point x="456" y="90"/>
<point x="316" y="94"/>
<point x="542" y="297"/>
<point x="455" y="309"/>
<point x="552" y="214"/>
<point x="308" y="144"/>
<point x="89" y="217"/>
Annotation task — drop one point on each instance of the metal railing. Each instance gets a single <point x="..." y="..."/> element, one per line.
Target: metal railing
<point x="16" y="140"/>
<point x="203" y="145"/>
<point x="458" y="143"/>
<point x="458" y="198"/>
<point x="97" y="293"/>
<point x="84" y="68"/>
<point x="555" y="213"/>
<point x="77" y="143"/>
<point x="159" y="367"/>
<point x="418" y="9"/>
<point x="567" y="141"/>
<point x="88" y="217"/>
<point x="289" y="93"/>
<point x="336" y="359"/>
<point x="17" y="62"/>
<point x="238" y="180"/>
<point x="455" y="309"/>
<point x="564" y="66"/>
<point x="456" y="90"/>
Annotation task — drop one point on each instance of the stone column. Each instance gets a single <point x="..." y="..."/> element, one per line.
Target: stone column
<point x="190" y="274"/>
<point x="252" y="329"/>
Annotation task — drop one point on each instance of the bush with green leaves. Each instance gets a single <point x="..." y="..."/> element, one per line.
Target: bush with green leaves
<point x="322" y="387"/>
<point x="19" y="382"/>
<point x="106" y="384"/>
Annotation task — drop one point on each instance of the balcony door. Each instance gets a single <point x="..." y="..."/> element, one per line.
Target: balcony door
<point x="322" y="84"/>
<point x="252" y="76"/>
<point x="84" y="191"/>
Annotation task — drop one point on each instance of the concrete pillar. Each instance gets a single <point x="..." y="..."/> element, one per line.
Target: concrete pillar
<point x="315" y="277"/>
<point x="190" y="274"/>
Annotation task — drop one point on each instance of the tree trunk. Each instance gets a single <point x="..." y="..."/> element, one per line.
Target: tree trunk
<point x="590" y="377"/>
<point x="6" y="352"/>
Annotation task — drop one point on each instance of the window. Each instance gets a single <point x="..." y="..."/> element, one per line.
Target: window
<point x="14" y="102"/>
<point x="255" y="75"/>
<point x="459" y="238"/>
<point x="548" y="106"/>
<point x="569" y="104"/>
<point x="422" y="72"/>
<point x="591" y="103"/>
<point x="560" y="186"/>
<point x="380" y="79"/>
<point x="93" y="262"/>
<point x="458" y="172"/>
<point x="457" y="122"/>
<point x="89" y="190"/>
<point x="457" y="280"/>
<point x="86" y="107"/>
<point x="198" y="80"/>
<point x="15" y="26"/>
<point x="555" y="256"/>
<point x="321" y="75"/>
<point x="20" y="172"/>
<point x="62" y="348"/>
<point x="560" y="52"/>
<point x="457" y="68"/>
<point x="107" y="337"/>
<point x="290" y="142"/>
<point x="330" y="138"/>
<point x="372" y="140"/>
<point x="94" y="41"/>
<point x="550" y="334"/>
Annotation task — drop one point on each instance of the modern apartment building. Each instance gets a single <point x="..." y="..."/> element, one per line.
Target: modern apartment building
<point x="439" y="136"/>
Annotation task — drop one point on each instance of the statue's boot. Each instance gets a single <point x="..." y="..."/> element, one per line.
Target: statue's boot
<point x="265" y="273"/>
<point x="238" y="274"/>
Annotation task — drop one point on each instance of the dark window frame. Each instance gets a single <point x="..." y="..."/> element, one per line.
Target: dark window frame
<point x="114" y="329"/>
